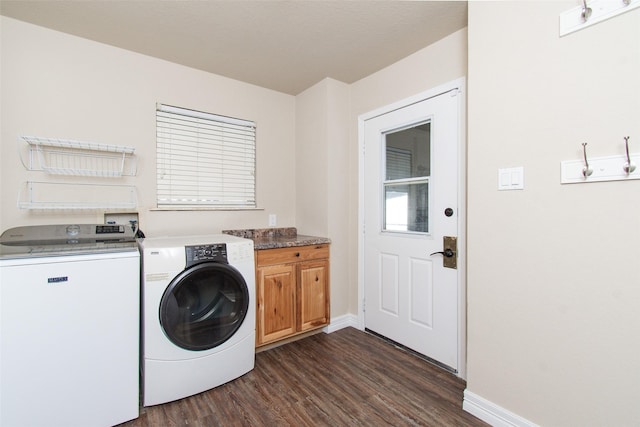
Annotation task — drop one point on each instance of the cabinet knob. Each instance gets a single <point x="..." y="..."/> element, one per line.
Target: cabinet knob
<point x="297" y="254"/>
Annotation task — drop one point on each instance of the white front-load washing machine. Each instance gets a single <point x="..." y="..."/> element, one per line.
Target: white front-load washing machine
<point x="198" y="321"/>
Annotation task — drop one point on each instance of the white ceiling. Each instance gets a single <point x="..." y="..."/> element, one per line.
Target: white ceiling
<point x="286" y="46"/>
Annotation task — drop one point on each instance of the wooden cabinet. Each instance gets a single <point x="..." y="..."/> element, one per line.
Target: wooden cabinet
<point x="293" y="291"/>
<point x="276" y="305"/>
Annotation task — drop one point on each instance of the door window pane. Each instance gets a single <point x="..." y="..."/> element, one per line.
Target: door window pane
<point x="406" y="185"/>
<point x="406" y="207"/>
<point x="408" y="153"/>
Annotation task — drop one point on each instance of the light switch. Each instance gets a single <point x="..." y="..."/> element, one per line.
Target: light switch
<point x="511" y="178"/>
<point x="504" y="179"/>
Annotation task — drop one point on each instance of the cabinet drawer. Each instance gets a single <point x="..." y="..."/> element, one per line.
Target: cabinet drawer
<point x="295" y="254"/>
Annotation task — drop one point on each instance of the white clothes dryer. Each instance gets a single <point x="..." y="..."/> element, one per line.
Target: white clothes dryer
<point x="199" y="317"/>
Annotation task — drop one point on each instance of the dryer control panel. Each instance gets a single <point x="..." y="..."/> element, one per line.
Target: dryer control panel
<point x="216" y="252"/>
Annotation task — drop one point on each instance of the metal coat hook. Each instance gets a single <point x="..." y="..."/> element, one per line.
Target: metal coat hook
<point x="628" y="166"/>
<point x="586" y="170"/>
<point x="586" y="11"/>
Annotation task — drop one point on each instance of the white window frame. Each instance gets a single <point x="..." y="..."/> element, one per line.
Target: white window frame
<point x="204" y="160"/>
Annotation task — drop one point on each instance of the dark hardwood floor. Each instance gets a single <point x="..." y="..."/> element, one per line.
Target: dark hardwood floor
<point x="346" y="378"/>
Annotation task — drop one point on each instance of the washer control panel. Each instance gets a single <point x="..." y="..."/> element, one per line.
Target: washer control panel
<point x="110" y="229"/>
<point x="199" y="253"/>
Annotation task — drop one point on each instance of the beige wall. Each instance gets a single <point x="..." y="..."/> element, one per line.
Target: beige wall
<point x="311" y="160"/>
<point x="56" y="85"/>
<point x="553" y="282"/>
<point x="322" y="174"/>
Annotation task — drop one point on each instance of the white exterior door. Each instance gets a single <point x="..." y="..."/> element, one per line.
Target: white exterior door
<point x="411" y="203"/>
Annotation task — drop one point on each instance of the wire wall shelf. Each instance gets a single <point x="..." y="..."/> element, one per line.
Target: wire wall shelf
<point x="70" y="157"/>
<point x="63" y="196"/>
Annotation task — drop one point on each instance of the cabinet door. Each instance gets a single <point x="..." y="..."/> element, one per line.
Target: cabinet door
<point x="313" y="294"/>
<point x="276" y="302"/>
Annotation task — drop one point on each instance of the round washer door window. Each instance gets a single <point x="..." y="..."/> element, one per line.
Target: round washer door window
<point x="204" y="306"/>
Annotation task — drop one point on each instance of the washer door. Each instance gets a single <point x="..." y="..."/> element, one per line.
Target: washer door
<point x="204" y="306"/>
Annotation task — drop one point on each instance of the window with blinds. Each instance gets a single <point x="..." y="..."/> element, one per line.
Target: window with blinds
<point x="204" y="160"/>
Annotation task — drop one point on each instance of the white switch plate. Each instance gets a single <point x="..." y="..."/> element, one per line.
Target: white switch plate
<point x="273" y="220"/>
<point x="511" y="178"/>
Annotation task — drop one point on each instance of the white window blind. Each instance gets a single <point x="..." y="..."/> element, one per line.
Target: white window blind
<point x="204" y="160"/>
<point x="398" y="163"/>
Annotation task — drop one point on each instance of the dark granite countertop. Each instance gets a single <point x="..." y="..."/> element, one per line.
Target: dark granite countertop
<point x="274" y="238"/>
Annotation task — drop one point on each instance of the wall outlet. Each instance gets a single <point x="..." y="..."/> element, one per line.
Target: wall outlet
<point x="273" y="221"/>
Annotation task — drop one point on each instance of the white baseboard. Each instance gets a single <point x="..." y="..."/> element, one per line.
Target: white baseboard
<point x="491" y="413"/>
<point x="340" y="322"/>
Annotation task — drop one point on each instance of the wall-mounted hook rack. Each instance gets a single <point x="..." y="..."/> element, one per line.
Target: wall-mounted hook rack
<point x="594" y="169"/>
<point x="595" y="11"/>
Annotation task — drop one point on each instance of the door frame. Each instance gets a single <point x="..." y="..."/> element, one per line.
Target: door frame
<point x="462" y="197"/>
